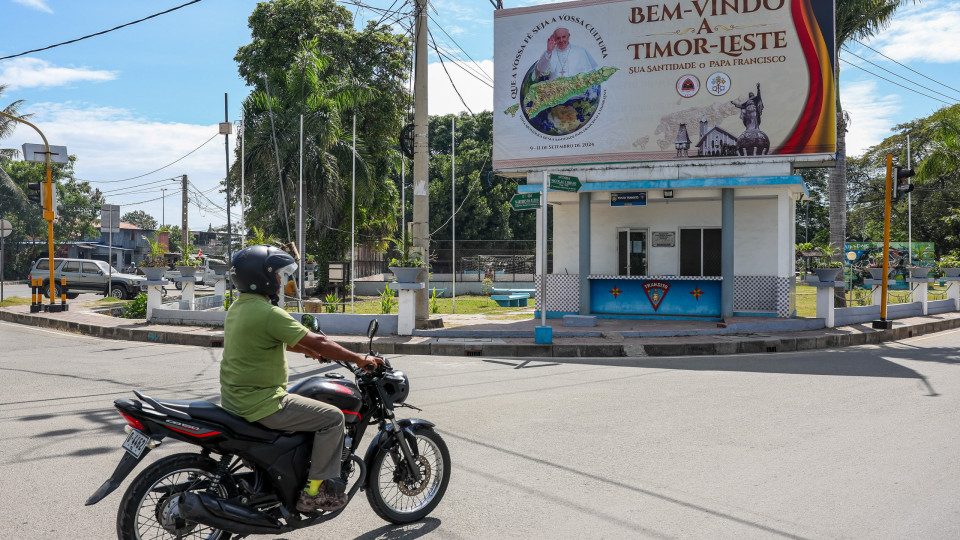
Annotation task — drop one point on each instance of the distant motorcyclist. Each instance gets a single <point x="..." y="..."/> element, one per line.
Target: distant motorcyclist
<point x="253" y="373"/>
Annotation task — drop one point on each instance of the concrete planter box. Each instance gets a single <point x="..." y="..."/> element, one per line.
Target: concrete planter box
<point x="919" y="271"/>
<point x="153" y="273"/>
<point x="406" y="274"/>
<point x="876" y="273"/>
<point x="828" y="274"/>
<point x="187" y="271"/>
<point x="950" y="272"/>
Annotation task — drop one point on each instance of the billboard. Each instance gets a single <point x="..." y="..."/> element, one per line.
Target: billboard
<point x="608" y="81"/>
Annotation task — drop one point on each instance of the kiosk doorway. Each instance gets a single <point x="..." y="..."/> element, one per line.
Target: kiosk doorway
<point x="632" y="252"/>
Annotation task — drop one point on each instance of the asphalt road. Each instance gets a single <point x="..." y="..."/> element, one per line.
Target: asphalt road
<point x="851" y="443"/>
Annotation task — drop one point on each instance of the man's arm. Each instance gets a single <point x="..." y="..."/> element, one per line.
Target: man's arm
<point x="316" y="345"/>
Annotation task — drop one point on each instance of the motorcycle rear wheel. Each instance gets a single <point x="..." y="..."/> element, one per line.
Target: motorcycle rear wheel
<point x="142" y="510"/>
<point x="394" y="496"/>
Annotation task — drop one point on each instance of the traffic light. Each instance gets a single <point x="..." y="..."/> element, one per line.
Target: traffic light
<point x="902" y="186"/>
<point x="34" y="193"/>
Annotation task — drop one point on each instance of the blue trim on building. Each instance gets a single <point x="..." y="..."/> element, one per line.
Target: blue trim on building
<point x="756" y="314"/>
<point x="560" y="314"/>
<point x="750" y="181"/>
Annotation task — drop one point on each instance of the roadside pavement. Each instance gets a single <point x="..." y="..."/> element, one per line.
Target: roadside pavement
<point x="476" y="336"/>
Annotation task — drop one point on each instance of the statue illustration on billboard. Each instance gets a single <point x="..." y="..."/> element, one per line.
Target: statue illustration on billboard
<point x="752" y="142"/>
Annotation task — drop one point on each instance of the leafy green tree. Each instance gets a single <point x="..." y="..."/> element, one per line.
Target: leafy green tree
<point x="933" y="148"/>
<point x="140" y="219"/>
<point x="289" y="65"/>
<point x="855" y="20"/>
<point x="78" y="207"/>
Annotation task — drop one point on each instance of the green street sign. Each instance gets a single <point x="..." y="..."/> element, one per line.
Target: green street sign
<point x="562" y="182"/>
<point x="525" y="201"/>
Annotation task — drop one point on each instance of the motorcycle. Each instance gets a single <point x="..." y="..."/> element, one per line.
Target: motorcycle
<point x="246" y="478"/>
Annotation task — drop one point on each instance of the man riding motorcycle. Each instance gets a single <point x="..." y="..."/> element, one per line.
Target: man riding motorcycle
<point x="253" y="372"/>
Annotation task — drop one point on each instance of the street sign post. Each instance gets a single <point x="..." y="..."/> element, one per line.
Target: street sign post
<point x="110" y="223"/>
<point x="562" y="182"/>
<point x="5" y="229"/>
<point x="525" y="201"/>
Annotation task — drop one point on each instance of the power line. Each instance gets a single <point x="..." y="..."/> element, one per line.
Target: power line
<point x="99" y="33"/>
<point x="181" y="158"/>
<point x="895" y="83"/>
<point x="905" y="66"/>
<point x="460" y="47"/>
<point x="444" y="66"/>
<point x="900" y="76"/>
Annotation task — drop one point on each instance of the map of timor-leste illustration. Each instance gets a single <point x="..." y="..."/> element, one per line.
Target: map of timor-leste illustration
<point x="546" y="94"/>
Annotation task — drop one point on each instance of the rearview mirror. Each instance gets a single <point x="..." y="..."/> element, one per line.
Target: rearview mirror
<point x="372" y="329"/>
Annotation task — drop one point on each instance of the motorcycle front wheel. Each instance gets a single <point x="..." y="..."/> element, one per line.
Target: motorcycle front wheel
<point x="392" y="491"/>
<point x="145" y="511"/>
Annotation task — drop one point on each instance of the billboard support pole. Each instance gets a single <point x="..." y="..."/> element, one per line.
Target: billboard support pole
<point x="543" y="257"/>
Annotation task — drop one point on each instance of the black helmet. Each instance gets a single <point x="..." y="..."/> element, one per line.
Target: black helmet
<point x="254" y="269"/>
<point x="397" y="386"/>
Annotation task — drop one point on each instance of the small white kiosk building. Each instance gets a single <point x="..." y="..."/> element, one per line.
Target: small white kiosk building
<point x="684" y="128"/>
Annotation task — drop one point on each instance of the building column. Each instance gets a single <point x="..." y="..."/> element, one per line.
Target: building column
<point x="584" y="266"/>
<point x="726" y="253"/>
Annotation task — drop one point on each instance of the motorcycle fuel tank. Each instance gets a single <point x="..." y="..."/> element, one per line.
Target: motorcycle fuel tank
<point x="336" y="391"/>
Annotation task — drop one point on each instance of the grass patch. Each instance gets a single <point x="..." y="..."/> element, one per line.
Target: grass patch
<point x="807" y="297"/>
<point x="15" y="301"/>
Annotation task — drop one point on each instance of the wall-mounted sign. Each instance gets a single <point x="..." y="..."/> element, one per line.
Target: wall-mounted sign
<point x="621" y="81"/>
<point x="630" y="198"/>
<point x="664" y="238"/>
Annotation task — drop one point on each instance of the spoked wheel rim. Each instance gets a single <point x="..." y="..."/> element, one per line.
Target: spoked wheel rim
<point x="400" y="492"/>
<point x="156" y="513"/>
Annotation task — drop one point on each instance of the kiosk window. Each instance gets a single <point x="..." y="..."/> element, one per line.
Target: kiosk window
<point x="632" y="252"/>
<point x="700" y="252"/>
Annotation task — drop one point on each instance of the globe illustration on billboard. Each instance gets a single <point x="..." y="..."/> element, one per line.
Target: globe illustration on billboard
<point x="578" y="102"/>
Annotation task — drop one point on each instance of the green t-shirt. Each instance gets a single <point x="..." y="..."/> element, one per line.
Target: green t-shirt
<point x="253" y="372"/>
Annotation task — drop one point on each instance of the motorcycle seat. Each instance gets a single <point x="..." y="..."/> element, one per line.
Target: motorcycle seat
<point x="210" y="412"/>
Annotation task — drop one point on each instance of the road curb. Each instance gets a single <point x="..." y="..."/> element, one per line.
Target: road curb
<point x="637" y="347"/>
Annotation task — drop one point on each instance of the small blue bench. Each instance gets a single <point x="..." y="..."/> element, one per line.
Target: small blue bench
<point x="529" y="292"/>
<point x="511" y="300"/>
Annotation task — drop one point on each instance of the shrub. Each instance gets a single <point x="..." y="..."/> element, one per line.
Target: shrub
<point x="386" y="300"/>
<point x="434" y="305"/>
<point x="136" y="308"/>
<point x="227" y="299"/>
<point x="330" y="303"/>
<point x="486" y="286"/>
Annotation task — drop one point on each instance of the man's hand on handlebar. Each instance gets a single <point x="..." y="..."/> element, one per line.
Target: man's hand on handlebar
<point x="370" y="363"/>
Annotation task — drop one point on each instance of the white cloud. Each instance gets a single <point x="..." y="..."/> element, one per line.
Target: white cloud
<point x="925" y="32"/>
<point x="871" y="114"/>
<point x="112" y="144"/>
<point x="34" y="72"/>
<point x="442" y="96"/>
<point x="39" y="5"/>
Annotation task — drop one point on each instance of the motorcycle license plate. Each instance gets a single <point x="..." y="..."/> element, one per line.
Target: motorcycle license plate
<point x="135" y="443"/>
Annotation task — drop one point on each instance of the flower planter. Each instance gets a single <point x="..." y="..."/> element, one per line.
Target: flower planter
<point x="220" y="269"/>
<point x="949" y="271"/>
<point x="406" y="274"/>
<point x="919" y="271"/>
<point x="187" y="271"/>
<point x="153" y="273"/>
<point x="828" y="274"/>
<point x="876" y="273"/>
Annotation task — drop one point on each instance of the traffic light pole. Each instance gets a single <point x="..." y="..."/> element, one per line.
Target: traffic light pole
<point x="883" y="323"/>
<point x="47" y="199"/>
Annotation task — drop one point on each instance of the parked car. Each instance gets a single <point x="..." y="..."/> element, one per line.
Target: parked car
<point x="207" y="274"/>
<point x="86" y="275"/>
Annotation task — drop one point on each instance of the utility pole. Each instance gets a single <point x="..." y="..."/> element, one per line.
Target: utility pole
<point x="163" y="206"/>
<point x="420" y="227"/>
<point x="185" y="232"/>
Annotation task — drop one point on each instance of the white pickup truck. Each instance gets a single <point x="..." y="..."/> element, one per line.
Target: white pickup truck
<point x="207" y="274"/>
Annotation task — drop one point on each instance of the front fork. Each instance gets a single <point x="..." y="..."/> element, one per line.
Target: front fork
<point x="408" y="457"/>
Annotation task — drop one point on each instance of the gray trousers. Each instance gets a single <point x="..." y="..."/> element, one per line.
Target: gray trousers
<point x="304" y="414"/>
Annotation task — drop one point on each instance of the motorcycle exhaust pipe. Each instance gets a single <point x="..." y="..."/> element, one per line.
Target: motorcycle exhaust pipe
<point x="224" y="515"/>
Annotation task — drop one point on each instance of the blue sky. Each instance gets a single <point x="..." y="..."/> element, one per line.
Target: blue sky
<point x="137" y="99"/>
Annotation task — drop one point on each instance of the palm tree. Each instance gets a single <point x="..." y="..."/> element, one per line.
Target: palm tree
<point x="272" y="139"/>
<point x="855" y="20"/>
<point x="7" y="126"/>
<point x="944" y="157"/>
